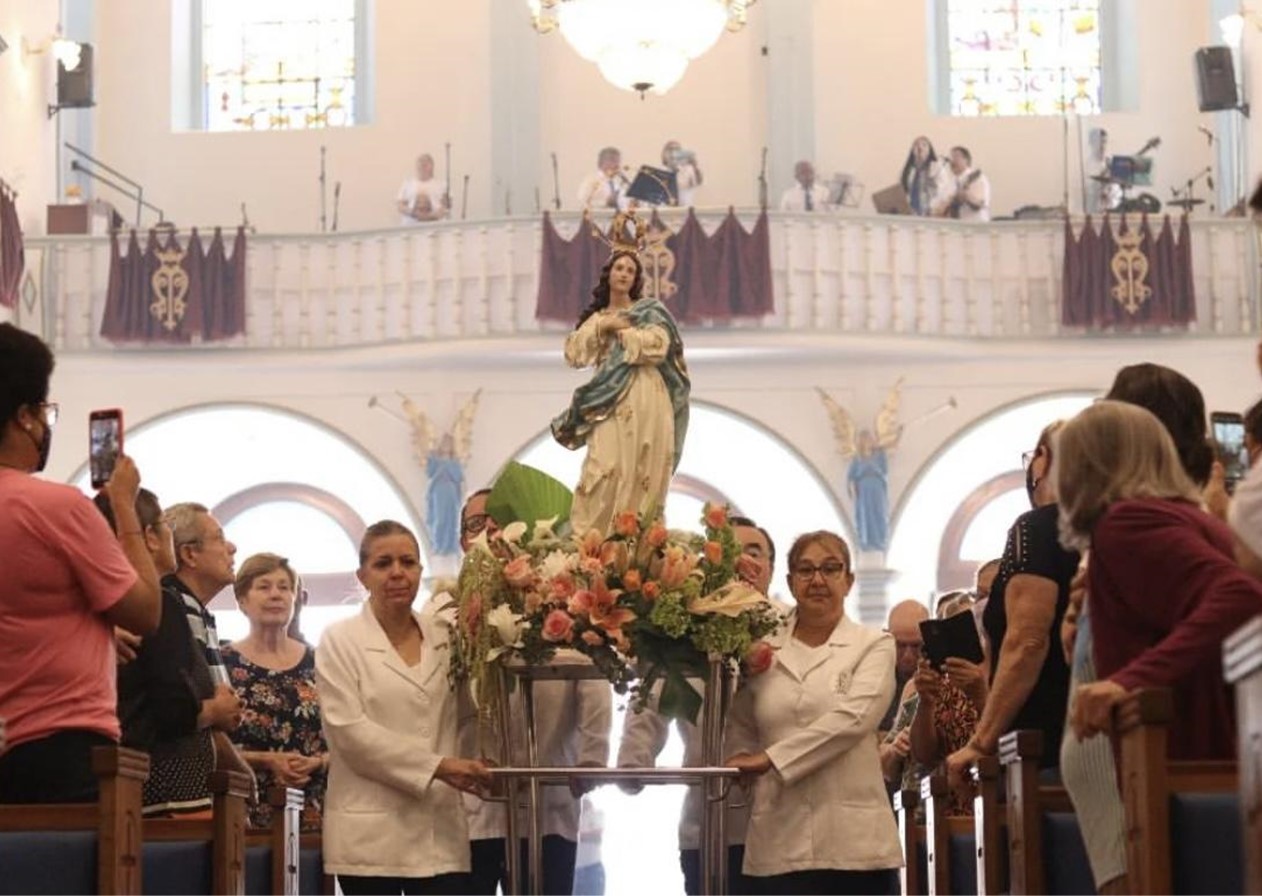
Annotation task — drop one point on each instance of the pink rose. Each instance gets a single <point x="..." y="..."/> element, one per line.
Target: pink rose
<point x="581" y="602"/>
<point x="534" y="600"/>
<point x="715" y="516"/>
<point x="518" y="572"/>
<point x="714" y="552"/>
<point x="759" y="657"/>
<point x="592" y="566"/>
<point x="561" y="588"/>
<point x="626" y="523"/>
<point x="651" y="590"/>
<point x="631" y="580"/>
<point x="558" y="626"/>
<point x="592" y="638"/>
<point x="678" y="564"/>
<point x="656" y="536"/>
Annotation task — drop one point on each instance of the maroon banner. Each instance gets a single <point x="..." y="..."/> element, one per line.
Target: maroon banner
<point x="175" y="293"/>
<point x="12" y="253"/>
<point x="699" y="277"/>
<point x="1128" y="279"/>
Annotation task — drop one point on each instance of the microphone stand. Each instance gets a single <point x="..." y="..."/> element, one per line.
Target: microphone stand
<point x="762" y="182"/>
<point x="464" y="197"/>
<point x="323" y="220"/>
<point x="337" y="196"/>
<point x="447" y="172"/>
<point x="556" y="184"/>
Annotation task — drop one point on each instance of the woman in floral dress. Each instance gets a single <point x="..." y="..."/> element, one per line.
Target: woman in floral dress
<point x="280" y="734"/>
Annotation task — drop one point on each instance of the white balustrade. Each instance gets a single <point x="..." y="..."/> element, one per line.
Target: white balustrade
<point x="451" y="280"/>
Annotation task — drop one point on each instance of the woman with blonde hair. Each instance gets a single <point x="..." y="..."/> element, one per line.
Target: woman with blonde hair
<point x="273" y="673"/>
<point x="1164" y="587"/>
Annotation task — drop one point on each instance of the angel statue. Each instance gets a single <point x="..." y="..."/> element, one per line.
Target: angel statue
<point x="867" y="478"/>
<point x="444" y="459"/>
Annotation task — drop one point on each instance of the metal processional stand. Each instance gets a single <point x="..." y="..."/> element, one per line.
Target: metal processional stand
<point x="530" y="778"/>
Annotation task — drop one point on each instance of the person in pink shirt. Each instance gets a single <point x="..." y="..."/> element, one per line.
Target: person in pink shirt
<point x="67" y="582"/>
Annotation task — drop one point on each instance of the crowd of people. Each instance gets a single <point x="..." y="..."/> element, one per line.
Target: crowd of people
<point x="1128" y="571"/>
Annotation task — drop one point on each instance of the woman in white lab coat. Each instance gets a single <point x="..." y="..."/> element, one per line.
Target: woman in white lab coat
<point x="805" y="731"/>
<point x="393" y="821"/>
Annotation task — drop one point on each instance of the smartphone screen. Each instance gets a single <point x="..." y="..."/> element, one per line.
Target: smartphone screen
<point x="1228" y="432"/>
<point x="105" y="444"/>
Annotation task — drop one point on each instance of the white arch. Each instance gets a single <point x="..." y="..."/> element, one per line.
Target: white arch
<point x="980" y="451"/>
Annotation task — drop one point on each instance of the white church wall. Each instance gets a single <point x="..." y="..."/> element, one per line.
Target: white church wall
<point x="28" y="137"/>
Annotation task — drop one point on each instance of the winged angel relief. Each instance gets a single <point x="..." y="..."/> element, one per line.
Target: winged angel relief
<point x="444" y="458"/>
<point x="867" y="477"/>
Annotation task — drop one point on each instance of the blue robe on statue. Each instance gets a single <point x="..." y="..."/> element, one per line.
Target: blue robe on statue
<point x="442" y="503"/>
<point x="868" y="478"/>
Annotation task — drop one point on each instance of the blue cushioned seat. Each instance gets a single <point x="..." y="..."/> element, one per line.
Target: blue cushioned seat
<point x="48" y="862"/>
<point x="311" y="872"/>
<point x="1066" y="866"/>
<point x="1207" y="853"/>
<point x="180" y="866"/>
<point x="962" y="850"/>
<point x="258" y="870"/>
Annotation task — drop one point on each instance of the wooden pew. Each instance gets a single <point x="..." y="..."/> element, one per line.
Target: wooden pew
<point x="224" y="832"/>
<point x="1242" y="667"/>
<point x="990" y="825"/>
<point x="281" y="842"/>
<point x="1037" y="815"/>
<point x="912" y="838"/>
<point x="944" y="834"/>
<point x="115" y="818"/>
<point x="1150" y="782"/>
<point x="311" y="852"/>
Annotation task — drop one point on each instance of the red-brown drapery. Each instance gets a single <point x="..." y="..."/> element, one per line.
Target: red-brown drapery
<point x="718" y="276"/>
<point x="1089" y="278"/>
<point x="12" y="254"/>
<point x="214" y="302"/>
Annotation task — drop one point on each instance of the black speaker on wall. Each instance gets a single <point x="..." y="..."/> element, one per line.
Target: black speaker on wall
<point x="1215" y="80"/>
<point x="74" y="86"/>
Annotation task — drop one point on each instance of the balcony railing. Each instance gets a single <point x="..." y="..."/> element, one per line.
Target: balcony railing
<point x="478" y="279"/>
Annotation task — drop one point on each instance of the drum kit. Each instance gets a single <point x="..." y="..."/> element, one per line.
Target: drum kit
<point x="1122" y="174"/>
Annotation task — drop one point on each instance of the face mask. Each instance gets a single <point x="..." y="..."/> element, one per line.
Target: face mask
<point x="44" y="444"/>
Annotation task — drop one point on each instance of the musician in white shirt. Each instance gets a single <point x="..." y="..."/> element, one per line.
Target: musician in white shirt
<point x="687" y="175"/>
<point x="807" y="196"/>
<point x="422" y="198"/>
<point x="965" y="191"/>
<point x="606" y="186"/>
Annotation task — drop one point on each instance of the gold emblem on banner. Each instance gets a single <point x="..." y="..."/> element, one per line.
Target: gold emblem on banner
<point x="170" y="287"/>
<point x="659" y="264"/>
<point x="1130" y="272"/>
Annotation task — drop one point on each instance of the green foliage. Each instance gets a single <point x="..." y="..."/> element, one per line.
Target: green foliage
<point x="529" y="495"/>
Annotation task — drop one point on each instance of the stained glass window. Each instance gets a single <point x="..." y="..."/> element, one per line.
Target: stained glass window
<point x="1024" y="57"/>
<point x="278" y="64"/>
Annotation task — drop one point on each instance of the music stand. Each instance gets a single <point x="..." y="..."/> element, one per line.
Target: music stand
<point x="654" y="186"/>
<point x="892" y="201"/>
<point x="844" y="190"/>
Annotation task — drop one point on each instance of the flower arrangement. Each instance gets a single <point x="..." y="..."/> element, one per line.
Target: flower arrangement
<point x="643" y="604"/>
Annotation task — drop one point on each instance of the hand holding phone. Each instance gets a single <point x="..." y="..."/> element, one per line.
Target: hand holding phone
<point x="105" y="443"/>
<point x="1228" y="432"/>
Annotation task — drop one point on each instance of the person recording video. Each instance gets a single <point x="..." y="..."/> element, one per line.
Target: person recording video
<point x="683" y="162"/>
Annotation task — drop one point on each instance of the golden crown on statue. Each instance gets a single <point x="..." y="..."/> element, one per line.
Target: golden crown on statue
<point x="627" y="233"/>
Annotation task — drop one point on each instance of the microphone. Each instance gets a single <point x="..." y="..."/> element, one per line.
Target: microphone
<point x="1209" y="135"/>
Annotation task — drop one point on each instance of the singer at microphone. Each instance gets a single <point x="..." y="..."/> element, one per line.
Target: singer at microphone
<point x="606" y="186"/>
<point x="421" y="198"/>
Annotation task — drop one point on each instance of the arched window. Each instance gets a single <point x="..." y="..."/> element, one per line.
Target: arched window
<point x="957" y="512"/>
<point x="278" y="482"/>
<point x="731" y="459"/>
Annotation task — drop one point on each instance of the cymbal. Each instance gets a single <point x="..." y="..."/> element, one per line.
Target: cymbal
<point x="1185" y="203"/>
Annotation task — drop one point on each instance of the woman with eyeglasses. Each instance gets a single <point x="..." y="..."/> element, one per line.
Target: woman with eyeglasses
<point x="804" y="734"/>
<point x="1029" y="679"/>
<point x="67" y="582"/>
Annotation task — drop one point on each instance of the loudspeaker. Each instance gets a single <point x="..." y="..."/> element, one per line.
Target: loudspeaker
<point x="1215" y="80"/>
<point x="74" y="87"/>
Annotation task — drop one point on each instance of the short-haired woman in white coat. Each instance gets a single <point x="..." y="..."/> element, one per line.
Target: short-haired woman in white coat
<point x="806" y="730"/>
<point x="393" y="820"/>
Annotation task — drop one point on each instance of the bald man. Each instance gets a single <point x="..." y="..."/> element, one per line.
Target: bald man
<point x="904" y="625"/>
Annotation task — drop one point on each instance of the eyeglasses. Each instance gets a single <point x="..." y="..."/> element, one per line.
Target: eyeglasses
<point x="51" y="410"/>
<point x="475" y="523"/>
<point x="1027" y="457"/>
<point x="806" y="572"/>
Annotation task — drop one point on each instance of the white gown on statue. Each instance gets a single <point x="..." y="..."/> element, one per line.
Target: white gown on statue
<point x="631" y="453"/>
